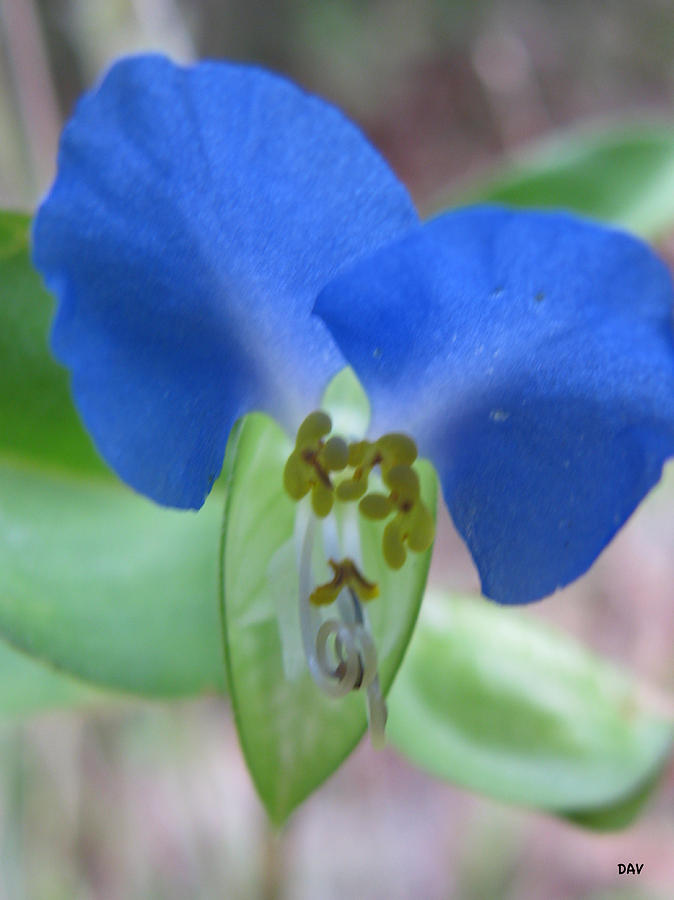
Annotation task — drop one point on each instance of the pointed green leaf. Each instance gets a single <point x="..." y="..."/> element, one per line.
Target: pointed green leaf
<point x="293" y="736"/>
<point x="94" y="579"/>
<point x="492" y="700"/>
<point x="108" y="586"/>
<point x="622" y="174"/>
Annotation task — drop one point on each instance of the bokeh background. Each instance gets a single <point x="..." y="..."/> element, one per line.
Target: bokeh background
<point x="153" y="801"/>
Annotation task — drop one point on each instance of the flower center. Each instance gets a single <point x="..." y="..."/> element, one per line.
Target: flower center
<point x="340" y="651"/>
<point x="311" y="468"/>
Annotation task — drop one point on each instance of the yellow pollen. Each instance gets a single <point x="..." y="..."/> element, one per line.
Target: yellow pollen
<point x="310" y="467"/>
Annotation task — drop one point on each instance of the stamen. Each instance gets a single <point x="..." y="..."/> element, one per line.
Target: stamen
<point x="388" y="451"/>
<point x="313" y="428"/>
<point x="311" y="459"/>
<point x="345" y="574"/>
<point x="336" y="454"/>
<point x="376" y="506"/>
<point x="340" y="652"/>
<point x="309" y="466"/>
<point x="322" y="499"/>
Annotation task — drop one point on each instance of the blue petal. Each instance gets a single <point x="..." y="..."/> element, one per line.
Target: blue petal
<point x="196" y="214"/>
<point x="532" y="356"/>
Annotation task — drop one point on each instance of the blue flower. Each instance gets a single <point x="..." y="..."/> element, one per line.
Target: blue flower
<point x="219" y="241"/>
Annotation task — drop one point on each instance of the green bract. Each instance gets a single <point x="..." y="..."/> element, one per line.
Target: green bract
<point x="292" y="735"/>
<point x="500" y="704"/>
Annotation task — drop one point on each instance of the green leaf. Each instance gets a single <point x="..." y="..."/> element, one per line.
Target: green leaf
<point x="622" y="174"/>
<point x="293" y="736"/>
<point x="108" y="586"/>
<point x="39" y="422"/>
<point x="28" y="687"/>
<point x="620" y="813"/>
<point x="494" y="701"/>
<point x="94" y="579"/>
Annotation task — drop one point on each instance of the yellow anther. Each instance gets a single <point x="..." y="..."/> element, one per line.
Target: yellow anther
<point x="413" y="525"/>
<point x="345" y="574"/>
<point x="404" y="484"/>
<point x="363" y="456"/>
<point x="365" y="589"/>
<point x="295" y="476"/>
<point x="357" y="452"/>
<point x="393" y="545"/>
<point x="315" y="426"/>
<point x="376" y="506"/>
<point x="388" y="451"/>
<point x="421" y="529"/>
<point x="309" y="465"/>
<point x="322" y="499"/>
<point x="309" y="468"/>
<point x="351" y="489"/>
<point x="397" y="449"/>
<point x="335" y="454"/>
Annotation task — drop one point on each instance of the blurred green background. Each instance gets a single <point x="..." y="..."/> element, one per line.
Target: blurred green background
<point x="152" y="800"/>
